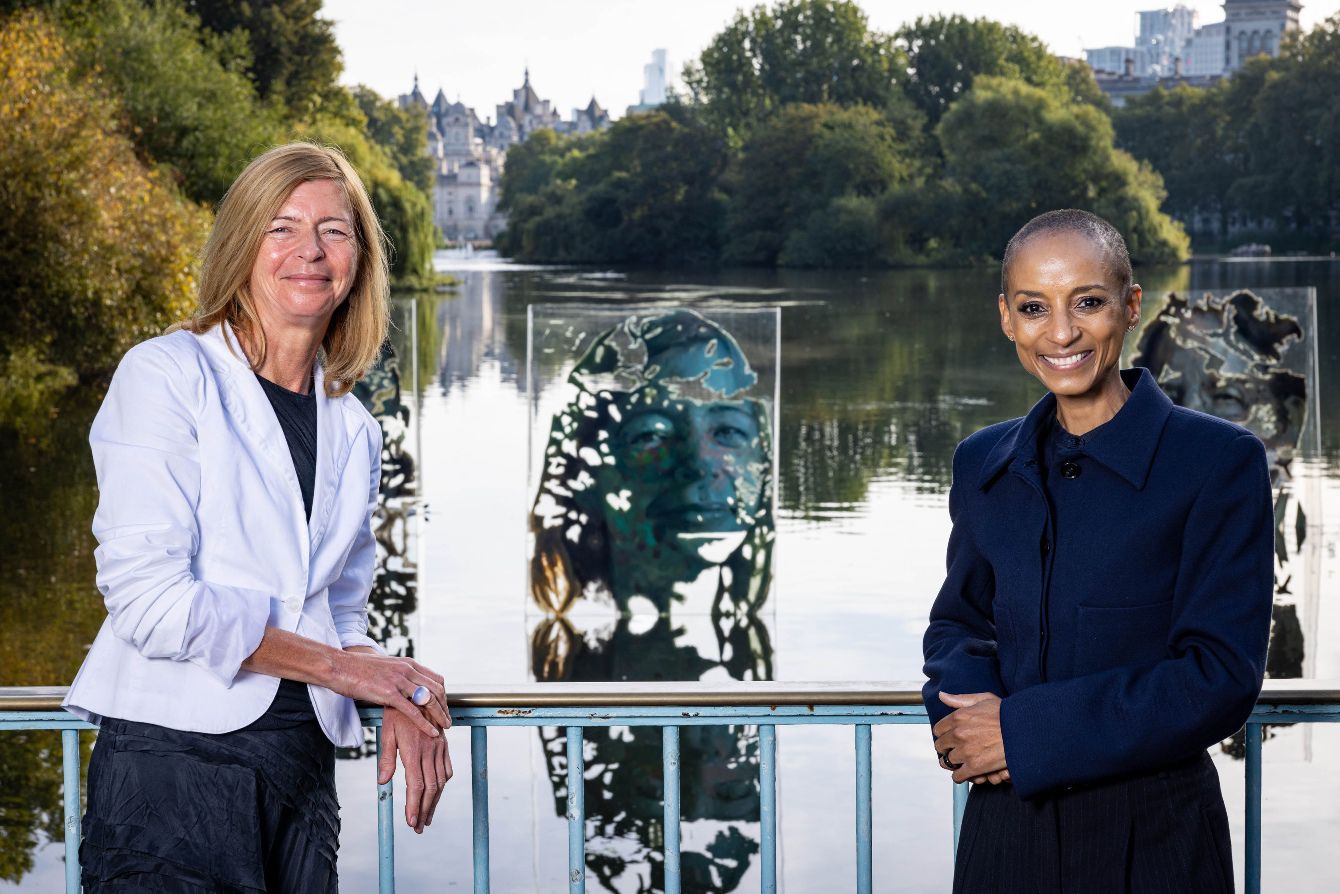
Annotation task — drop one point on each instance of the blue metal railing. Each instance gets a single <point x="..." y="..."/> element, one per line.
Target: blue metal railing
<point x="672" y="706"/>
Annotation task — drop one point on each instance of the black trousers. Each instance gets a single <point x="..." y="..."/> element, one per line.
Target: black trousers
<point x="177" y="812"/>
<point x="1151" y="833"/>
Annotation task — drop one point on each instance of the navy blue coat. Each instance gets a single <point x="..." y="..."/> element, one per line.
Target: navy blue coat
<point x="1131" y="635"/>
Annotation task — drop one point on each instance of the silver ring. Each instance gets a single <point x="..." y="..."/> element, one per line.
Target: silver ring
<point x="421" y="696"/>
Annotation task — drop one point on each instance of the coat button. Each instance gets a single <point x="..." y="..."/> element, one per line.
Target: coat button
<point x="1069" y="470"/>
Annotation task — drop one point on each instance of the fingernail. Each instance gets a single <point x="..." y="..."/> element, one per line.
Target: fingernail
<point x="414" y="821"/>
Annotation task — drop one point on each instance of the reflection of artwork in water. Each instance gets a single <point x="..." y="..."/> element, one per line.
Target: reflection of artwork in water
<point x="624" y="784"/>
<point x="657" y="474"/>
<point x="1235" y="356"/>
<point x="394" y="595"/>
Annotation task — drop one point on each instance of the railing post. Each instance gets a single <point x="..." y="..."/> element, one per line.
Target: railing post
<point x="960" y="804"/>
<point x="864" y="817"/>
<point x="1252" y="735"/>
<point x="767" y="779"/>
<point x="479" y="800"/>
<point x="576" y="812"/>
<point x="385" y="827"/>
<point x="70" y="759"/>
<point x="670" y="777"/>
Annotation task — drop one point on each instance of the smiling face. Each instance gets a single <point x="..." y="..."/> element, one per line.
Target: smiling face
<point x="1067" y="317"/>
<point x="307" y="259"/>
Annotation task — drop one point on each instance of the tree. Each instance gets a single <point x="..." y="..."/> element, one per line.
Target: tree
<point x="1291" y="140"/>
<point x="534" y="164"/>
<point x="643" y="192"/>
<point x="945" y="54"/>
<point x="796" y="164"/>
<point x="798" y="51"/>
<point x="1013" y="151"/>
<point x="294" y="57"/>
<point x="187" y="109"/>
<point x="401" y="135"/>
<point x="1182" y="134"/>
<point x="96" y="249"/>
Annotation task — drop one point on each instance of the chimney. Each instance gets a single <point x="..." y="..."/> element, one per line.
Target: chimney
<point x="1129" y="68"/>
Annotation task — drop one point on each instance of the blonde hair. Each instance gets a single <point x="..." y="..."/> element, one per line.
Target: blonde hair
<point x="358" y="327"/>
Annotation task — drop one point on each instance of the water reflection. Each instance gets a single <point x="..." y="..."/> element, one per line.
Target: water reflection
<point x="624" y="783"/>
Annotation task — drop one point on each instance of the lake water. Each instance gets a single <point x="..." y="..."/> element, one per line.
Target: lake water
<point x="881" y="374"/>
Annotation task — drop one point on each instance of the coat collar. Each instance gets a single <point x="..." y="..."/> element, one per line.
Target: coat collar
<point x="246" y="402"/>
<point x="1125" y="443"/>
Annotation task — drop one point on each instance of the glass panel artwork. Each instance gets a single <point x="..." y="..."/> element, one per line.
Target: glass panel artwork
<point x="652" y="463"/>
<point x="652" y="534"/>
<point x="1251" y="357"/>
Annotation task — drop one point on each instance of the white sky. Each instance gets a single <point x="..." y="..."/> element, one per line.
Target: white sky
<point x="477" y="51"/>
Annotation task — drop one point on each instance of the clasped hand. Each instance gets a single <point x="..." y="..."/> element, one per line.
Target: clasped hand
<point x="969" y="740"/>
<point x="413" y="732"/>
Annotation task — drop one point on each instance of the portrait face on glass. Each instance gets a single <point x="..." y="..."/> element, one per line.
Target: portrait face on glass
<point x="658" y="471"/>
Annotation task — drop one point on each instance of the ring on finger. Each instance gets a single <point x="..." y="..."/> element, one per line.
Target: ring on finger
<point x="421" y="696"/>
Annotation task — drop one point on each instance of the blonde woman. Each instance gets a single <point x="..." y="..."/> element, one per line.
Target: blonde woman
<point x="237" y="477"/>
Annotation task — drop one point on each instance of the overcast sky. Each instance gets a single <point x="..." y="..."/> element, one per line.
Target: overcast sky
<point x="477" y="51"/>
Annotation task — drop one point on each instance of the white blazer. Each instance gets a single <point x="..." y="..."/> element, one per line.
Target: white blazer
<point x="203" y="541"/>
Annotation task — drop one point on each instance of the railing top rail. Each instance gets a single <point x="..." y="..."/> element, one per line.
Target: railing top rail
<point x="768" y="694"/>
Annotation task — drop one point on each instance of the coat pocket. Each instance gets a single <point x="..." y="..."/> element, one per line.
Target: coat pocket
<point x="1118" y="636"/>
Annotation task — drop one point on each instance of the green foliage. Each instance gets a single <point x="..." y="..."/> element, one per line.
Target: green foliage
<point x="945" y="54"/>
<point x="840" y="150"/>
<point x="533" y="165"/>
<point x="797" y="51"/>
<point x="1262" y="145"/>
<point x="795" y="165"/>
<point x="401" y="133"/>
<point x="1013" y="151"/>
<point x="643" y="192"/>
<point x="186" y="107"/>
<point x="96" y="249"/>
<point x="294" y="58"/>
<point x="844" y="233"/>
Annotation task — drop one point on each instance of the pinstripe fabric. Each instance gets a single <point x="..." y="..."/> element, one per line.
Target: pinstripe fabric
<point x="1163" y="832"/>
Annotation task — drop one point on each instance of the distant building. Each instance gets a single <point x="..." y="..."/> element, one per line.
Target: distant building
<point x="1204" y="54"/>
<point x="1253" y="27"/>
<point x="593" y="117"/>
<point x="655" y="83"/>
<point x="470" y="154"/>
<point x="1170" y="49"/>
<point x="1115" y="60"/>
<point x="1162" y="35"/>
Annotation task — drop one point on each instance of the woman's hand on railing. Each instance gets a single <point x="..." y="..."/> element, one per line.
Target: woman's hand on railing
<point x="364" y="675"/>
<point x="427" y="762"/>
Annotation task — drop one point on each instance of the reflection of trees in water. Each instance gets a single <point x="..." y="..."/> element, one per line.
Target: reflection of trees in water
<point x="395" y="584"/>
<point x="624" y="782"/>
<point x="49" y="609"/>
<point x="1224" y="355"/>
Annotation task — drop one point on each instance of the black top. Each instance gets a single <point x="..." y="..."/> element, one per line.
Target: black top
<point x="297" y="417"/>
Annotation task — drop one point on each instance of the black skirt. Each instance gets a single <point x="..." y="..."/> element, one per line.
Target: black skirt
<point x="253" y="810"/>
<point x="1156" y="832"/>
